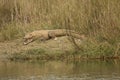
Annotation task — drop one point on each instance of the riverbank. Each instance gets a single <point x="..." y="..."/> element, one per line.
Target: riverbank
<point x="61" y="49"/>
<point x="51" y="49"/>
<point x="99" y="21"/>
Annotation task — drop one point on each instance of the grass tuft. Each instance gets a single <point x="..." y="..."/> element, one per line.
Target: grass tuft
<point x="99" y="20"/>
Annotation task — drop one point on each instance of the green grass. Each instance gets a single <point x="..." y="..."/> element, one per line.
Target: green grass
<point x="99" y="20"/>
<point x="28" y="54"/>
<point x="10" y="32"/>
<point x="39" y="54"/>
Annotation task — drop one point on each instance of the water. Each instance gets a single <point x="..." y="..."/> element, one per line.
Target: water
<point x="57" y="70"/>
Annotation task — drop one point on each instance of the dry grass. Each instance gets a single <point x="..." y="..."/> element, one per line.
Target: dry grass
<point x="47" y="50"/>
<point x="91" y="17"/>
<point x="98" y="19"/>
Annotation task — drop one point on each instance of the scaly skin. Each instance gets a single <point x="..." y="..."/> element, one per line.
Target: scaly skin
<point x="47" y="34"/>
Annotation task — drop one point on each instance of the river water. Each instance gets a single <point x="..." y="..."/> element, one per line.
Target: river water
<point x="58" y="70"/>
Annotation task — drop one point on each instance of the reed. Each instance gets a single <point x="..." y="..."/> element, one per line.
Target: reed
<point x="99" y="20"/>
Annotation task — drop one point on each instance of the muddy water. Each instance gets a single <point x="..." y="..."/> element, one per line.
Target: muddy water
<point x="57" y="70"/>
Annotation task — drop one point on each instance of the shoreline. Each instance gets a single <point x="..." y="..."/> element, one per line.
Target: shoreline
<point x="62" y="49"/>
<point x="58" y="57"/>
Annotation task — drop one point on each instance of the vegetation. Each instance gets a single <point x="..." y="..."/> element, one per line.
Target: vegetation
<point x="40" y="54"/>
<point x="99" y="20"/>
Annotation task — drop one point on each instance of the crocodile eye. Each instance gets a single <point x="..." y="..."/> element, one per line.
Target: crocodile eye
<point x="29" y="36"/>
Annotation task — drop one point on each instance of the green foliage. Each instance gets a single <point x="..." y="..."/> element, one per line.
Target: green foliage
<point x="10" y="32"/>
<point x="29" y="54"/>
<point x="35" y="51"/>
<point x="95" y="49"/>
<point x="95" y="18"/>
<point x="91" y="17"/>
